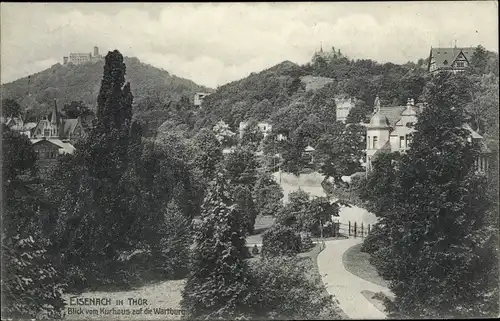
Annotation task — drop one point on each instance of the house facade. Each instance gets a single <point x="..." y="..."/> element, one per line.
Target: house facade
<point x="265" y="128"/>
<point x="17" y="124"/>
<point x="199" y="97"/>
<point x="449" y="59"/>
<point x="56" y="136"/>
<point x="391" y="128"/>
<point x="343" y="107"/>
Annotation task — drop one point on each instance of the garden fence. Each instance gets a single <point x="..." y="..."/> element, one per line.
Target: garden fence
<point x="353" y="229"/>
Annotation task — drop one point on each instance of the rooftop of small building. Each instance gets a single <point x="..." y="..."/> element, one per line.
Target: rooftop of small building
<point x="449" y="55"/>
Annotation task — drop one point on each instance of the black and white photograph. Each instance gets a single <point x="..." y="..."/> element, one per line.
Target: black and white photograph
<point x="249" y="161"/>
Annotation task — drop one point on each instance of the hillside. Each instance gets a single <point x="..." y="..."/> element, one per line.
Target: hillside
<point x="70" y="82"/>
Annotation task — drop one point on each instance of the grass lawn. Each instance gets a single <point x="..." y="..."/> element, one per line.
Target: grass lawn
<point x="358" y="264"/>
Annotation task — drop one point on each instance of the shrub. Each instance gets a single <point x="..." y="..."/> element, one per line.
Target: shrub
<point x="306" y="242"/>
<point x="31" y="284"/>
<point x="375" y="240"/>
<point x="280" y="240"/>
<point x="282" y="289"/>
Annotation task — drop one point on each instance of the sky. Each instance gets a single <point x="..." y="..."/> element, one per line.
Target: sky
<point x="215" y="43"/>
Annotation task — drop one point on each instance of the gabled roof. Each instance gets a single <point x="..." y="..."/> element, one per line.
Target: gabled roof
<point x="63" y="147"/>
<point x="449" y="55"/>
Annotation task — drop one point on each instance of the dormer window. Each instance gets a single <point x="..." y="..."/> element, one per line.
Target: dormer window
<point x="445" y="62"/>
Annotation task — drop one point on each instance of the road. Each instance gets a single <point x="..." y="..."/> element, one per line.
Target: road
<point x="345" y="286"/>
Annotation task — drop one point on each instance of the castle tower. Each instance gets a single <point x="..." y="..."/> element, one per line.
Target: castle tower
<point x="96" y="51"/>
<point x="65" y="60"/>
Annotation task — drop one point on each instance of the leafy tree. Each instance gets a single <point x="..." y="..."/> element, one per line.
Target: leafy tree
<point x="483" y="107"/>
<point x="292" y="152"/>
<point x="241" y="166"/>
<point x="224" y="135"/>
<point x="379" y="184"/>
<point x="358" y="114"/>
<point x="441" y="239"/>
<point x="76" y="109"/>
<point x="243" y="198"/>
<point x="479" y="61"/>
<point x="10" y="108"/>
<point x="31" y="281"/>
<point x="294" y="211"/>
<point x="210" y="153"/>
<point x="340" y="149"/>
<point x="262" y="110"/>
<point x="268" y="195"/>
<point x="218" y="283"/>
<point x="319" y="66"/>
<point x="252" y="136"/>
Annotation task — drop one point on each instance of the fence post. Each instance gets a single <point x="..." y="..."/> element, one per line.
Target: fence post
<point x="349" y="228"/>
<point x="355" y="232"/>
<point x="362" y="231"/>
<point x="368" y="228"/>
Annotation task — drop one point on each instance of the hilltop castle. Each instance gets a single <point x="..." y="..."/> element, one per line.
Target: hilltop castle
<point x="327" y="56"/>
<point x="78" y="58"/>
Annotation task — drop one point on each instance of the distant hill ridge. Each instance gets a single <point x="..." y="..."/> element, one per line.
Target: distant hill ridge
<point x="71" y="82"/>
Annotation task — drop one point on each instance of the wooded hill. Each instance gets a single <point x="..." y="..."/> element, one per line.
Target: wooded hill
<point x="70" y="82"/>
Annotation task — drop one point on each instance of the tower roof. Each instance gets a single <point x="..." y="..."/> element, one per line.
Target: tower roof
<point x="378" y="120"/>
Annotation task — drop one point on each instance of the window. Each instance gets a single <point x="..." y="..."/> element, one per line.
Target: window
<point x="46" y="132"/>
<point x="375" y="142"/>
<point x="408" y="140"/>
<point x="368" y="142"/>
<point x="445" y="62"/>
<point x="401" y="142"/>
<point x="460" y="64"/>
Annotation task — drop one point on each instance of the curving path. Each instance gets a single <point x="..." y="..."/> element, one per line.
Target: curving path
<point x="345" y="286"/>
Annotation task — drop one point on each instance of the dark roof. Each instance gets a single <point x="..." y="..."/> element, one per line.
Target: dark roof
<point x="449" y="55"/>
<point x="68" y="126"/>
<point x="393" y="114"/>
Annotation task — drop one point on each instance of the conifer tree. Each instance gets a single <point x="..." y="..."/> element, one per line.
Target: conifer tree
<point x="97" y="223"/>
<point x="218" y="283"/>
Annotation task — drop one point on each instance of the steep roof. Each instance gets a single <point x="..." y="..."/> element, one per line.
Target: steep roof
<point x="393" y="114"/>
<point x="449" y="55"/>
<point x="68" y="126"/>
